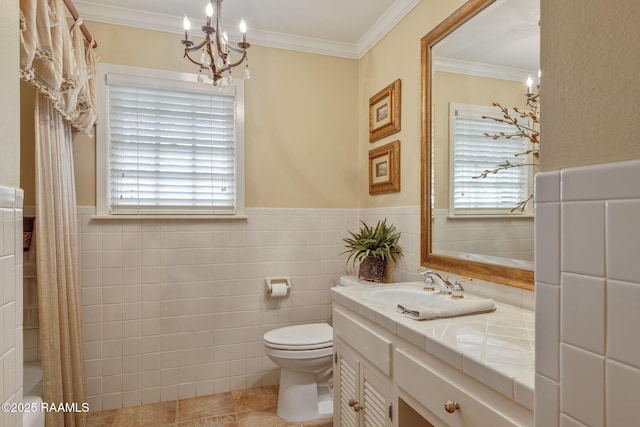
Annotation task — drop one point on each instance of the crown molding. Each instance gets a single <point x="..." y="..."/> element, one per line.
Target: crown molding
<point x="479" y="69"/>
<point x="302" y="44"/>
<point x="148" y="20"/>
<point x="398" y="10"/>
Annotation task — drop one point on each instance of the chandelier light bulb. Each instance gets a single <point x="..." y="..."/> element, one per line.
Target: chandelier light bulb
<point x="187" y="27"/>
<point x="243" y="26"/>
<point x="529" y="83"/>
<point x="209" y="10"/>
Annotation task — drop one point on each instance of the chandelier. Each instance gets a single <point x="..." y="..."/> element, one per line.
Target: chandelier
<point x="216" y="48"/>
<point x="533" y="92"/>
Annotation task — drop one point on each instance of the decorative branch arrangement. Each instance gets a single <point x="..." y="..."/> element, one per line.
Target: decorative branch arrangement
<point x="526" y="125"/>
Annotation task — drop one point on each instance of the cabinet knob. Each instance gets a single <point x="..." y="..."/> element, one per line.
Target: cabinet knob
<point x="451" y="406"/>
<point x="354" y="404"/>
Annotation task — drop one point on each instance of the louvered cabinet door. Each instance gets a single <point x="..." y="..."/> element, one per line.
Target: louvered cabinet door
<point x="348" y="370"/>
<point x="375" y="400"/>
<point x="363" y="396"/>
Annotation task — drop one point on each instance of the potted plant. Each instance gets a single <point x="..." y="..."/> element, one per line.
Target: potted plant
<point x="372" y="248"/>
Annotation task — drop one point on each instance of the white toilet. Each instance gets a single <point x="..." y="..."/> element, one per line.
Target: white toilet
<point x="305" y="355"/>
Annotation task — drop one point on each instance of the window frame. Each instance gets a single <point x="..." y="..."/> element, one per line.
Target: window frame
<point x="483" y="212"/>
<point x="171" y="80"/>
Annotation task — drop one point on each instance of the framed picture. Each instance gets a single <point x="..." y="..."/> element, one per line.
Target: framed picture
<point x="384" y="169"/>
<point x="384" y="112"/>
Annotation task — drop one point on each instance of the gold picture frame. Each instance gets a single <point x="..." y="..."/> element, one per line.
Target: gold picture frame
<point x="384" y="112"/>
<point x="384" y="169"/>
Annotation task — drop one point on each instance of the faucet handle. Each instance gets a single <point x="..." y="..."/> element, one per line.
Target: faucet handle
<point x="429" y="283"/>
<point x="457" y="291"/>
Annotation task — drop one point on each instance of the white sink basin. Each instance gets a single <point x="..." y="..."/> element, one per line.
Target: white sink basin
<point x="392" y="295"/>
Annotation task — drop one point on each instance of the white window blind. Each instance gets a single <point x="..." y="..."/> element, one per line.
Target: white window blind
<point x="172" y="147"/>
<point x="472" y="152"/>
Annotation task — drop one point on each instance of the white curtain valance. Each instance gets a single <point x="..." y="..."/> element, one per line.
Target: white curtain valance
<point x="58" y="61"/>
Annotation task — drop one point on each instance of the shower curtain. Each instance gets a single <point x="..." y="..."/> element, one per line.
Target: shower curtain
<point x="57" y="265"/>
<point x="61" y="65"/>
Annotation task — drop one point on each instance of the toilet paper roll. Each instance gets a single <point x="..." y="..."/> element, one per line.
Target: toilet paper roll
<point x="278" y="290"/>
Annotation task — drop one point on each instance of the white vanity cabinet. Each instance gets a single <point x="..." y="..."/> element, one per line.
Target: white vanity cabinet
<point x="447" y="397"/>
<point x="382" y="379"/>
<point x="362" y="391"/>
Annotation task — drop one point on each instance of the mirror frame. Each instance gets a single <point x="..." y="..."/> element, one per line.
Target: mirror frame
<point x="520" y="278"/>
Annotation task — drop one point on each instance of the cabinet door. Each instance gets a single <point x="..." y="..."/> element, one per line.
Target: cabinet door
<point x="348" y="376"/>
<point x="363" y="396"/>
<point x="375" y="399"/>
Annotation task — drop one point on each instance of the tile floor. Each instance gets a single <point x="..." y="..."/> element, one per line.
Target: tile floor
<point x="242" y="408"/>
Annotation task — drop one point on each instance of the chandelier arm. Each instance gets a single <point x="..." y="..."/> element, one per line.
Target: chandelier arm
<point x="235" y="64"/>
<point x="186" y="55"/>
<point x="236" y="49"/>
<point x="192" y="48"/>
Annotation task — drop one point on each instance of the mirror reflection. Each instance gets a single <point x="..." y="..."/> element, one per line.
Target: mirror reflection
<point x="476" y="214"/>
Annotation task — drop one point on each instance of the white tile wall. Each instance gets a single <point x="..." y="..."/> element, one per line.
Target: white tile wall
<point x="499" y="237"/>
<point x="11" y="353"/>
<point x="176" y="308"/>
<point x="590" y="217"/>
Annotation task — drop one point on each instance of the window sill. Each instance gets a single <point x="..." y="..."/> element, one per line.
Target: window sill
<point x="184" y="216"/>
<point x="490" y="216"/>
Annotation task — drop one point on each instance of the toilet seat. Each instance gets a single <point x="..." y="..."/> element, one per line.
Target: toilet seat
<point x="300" y="337"/>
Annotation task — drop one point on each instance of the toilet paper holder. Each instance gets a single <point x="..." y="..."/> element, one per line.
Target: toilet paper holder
<point x="277" y="287"/>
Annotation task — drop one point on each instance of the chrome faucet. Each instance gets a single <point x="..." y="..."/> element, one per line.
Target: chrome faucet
<point x="443" y="283"/>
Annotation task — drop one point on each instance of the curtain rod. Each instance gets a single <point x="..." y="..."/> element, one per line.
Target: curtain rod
<point x="76" y="15"/>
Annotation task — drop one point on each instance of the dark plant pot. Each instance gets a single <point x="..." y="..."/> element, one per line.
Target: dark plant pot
<point x="372" y="269"/>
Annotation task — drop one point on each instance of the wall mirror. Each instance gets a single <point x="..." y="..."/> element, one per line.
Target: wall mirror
<point x="483" y="53"/>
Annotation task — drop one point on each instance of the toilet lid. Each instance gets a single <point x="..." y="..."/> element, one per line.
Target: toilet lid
<point x="300" y="337"/>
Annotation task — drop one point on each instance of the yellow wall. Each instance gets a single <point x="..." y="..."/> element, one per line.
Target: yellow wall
<point x="301" y="121"/>
<point x="397" y="55"/>
<point x="9" y="111"/>
<point x="590" y="82"/>
<point x="307" y="115"/>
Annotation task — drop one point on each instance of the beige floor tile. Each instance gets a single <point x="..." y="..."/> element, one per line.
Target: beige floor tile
<point x="319" y="423"/>
<point x="221" y="421"/>
<point x="101" y="419"/>
<point x="240" y="408"/>
<point x="205" y="407"/>
<point x="325" y="422"/>
<point x="152" y="415"/>
<point x="266" y="418"/>
<point x="255" y="399"/>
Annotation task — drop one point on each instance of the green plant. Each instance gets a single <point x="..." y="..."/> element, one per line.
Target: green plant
<point x="380" y="241"/>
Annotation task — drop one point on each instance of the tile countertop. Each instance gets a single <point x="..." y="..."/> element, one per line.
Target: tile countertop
<point x="494" y="348"/>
